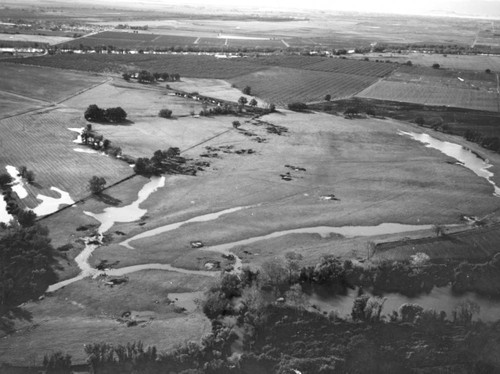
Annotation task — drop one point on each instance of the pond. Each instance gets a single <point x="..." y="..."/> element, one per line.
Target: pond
<point x="439" y="299"/>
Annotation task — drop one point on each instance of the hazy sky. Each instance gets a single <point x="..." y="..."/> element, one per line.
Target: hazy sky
<point x="484" y="7"/>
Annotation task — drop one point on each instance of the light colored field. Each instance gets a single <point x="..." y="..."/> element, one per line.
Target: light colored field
<point x="34" y="38"/>
<point x="44" y="83"/>
<point x="284" y="85"/>
<point x="432" y="95"/>
<point x="217" y="88"/>
<point x="87" y="312"/>
<point x="457" y="62"/>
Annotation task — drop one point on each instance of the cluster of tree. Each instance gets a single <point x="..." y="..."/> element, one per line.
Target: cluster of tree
<point x="98" y="142"/>
<point x="165" y="113"/>
<point x="219" y="110"/>
<point x="96" y="185"/>
<point x="95" y="114"/>
<point x="481" y="278"/>
<point x="145" y="76"/>
<point x="489" y="142"/>
<point x="24" y="217"/>
<point x="26" y="266"/>
<point x="169" y="161"/>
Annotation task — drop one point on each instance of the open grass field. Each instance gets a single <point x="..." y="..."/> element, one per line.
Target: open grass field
<point x="42" y="83"/>
<point x="431" y="94"/>
<point x="285" y="85"/>
<point x="185" y="65"/>
<point x="88" y="312"/>
<point x="404" y="182"/>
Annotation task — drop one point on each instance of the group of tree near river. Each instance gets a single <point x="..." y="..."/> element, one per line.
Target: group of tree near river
<point x="284" y="335"/>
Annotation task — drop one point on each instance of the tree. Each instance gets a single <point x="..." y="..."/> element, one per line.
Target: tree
<point x="115" y="114"/>
<point x="272" y="107"/>
<point x="247" y="90"/>
<point x="230" y="285"/>
<point x="465" y="311"/>
<point x="126" y="76"/>
<point x="145" y="76"/>
<point x="420" y="121"/>
<point x="409" y="312"/>
<point x="30" y="176"/>
<point x="96" y="184"/>
<point x="295" y="296"/>
<point x="242" y="100"/>
<point x="236" y="124"/>
<point x="274" y="275"/>
<point x="436" y="66"/>
<point x="215" y="304"/>
<point x="57" y="363"/>
<point x="26" y="218"/>
<point x="487" y="71"/>
<point x="293" y="265"/>
<point x="297" y="107"/>
<point x="26" y="265"/>
<point x="94" y="113"/>
<point x="328" y="97"/>
<point x="5" y="181"/>
<point x="253" y="102"/>
<point x="165" y="113"/>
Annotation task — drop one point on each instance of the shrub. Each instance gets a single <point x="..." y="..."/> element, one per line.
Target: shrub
<point x="297" y="107"/>
<point x="165" y="113"/>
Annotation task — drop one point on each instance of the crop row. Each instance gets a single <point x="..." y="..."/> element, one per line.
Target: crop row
<point x="43" y="143"/>
<point x="284" y="85"/>
<point x="432" y="95"/>
<point x="186" y="65"/>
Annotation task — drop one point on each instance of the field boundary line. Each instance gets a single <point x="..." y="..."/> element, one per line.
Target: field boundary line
<point x="25" y="97"/>
<point x="109" y="79"/>
<point x="85" y="198"/>
<point x="49" y="106"/>
<point x="206" y="140"/>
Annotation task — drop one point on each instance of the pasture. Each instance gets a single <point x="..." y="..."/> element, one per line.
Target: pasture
<point x="434" y="95"/>
<point x="284" y="85"/>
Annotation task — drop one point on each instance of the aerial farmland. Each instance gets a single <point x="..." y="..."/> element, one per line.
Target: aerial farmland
<point x="186" y="193"/>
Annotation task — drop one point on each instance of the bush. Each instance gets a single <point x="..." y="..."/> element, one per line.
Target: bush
<point x="297" y="107"/>
<point x="247" y="90"/>
<point x="165" y="113"/>
<point x="420" y="121"/>
<point x="436" y="66"/>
